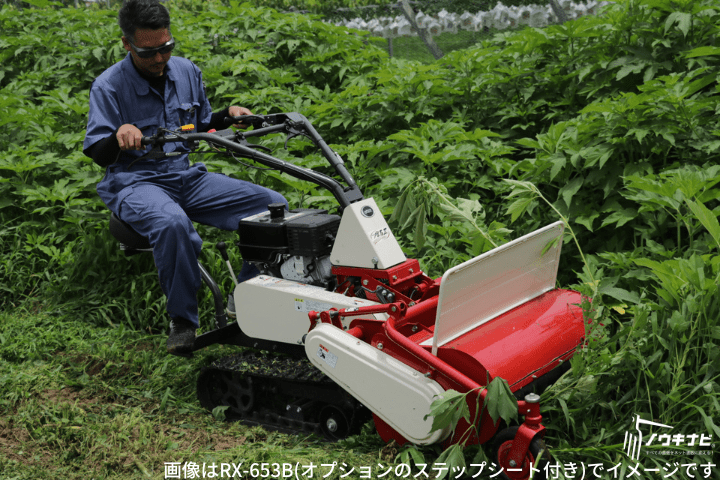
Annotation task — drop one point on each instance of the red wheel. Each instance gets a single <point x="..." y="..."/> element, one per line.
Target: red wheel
<point x="503" y="445"/>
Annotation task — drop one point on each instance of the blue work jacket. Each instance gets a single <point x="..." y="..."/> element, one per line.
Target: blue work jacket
<point x="120" y="95"/>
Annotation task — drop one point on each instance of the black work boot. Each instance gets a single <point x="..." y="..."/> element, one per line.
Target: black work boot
<point x="181" y="338"/>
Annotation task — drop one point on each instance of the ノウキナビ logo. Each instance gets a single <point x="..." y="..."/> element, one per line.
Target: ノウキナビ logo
<point x="634" y="439"/>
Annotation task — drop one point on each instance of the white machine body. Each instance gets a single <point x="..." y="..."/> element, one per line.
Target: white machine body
<point x="395" y="392"/>
<point x="364" y="239"/>
<point x="271" y="308"/>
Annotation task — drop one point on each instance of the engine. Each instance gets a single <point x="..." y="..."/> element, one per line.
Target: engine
<point x="293" y="245"/>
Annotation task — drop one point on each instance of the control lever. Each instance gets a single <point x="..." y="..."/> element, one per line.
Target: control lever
<point x="223" y="253"/>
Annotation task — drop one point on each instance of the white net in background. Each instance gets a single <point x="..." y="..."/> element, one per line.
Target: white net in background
<point x="454" y="30"/>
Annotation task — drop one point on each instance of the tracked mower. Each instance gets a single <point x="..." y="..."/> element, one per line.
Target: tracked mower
<point x="341" y="327"/>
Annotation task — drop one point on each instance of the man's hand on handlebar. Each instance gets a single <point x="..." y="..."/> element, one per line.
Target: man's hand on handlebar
<point x="238" y="111"/>
<point x="129" y="137"/>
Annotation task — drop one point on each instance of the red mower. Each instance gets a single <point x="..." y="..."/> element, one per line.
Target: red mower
<point x="340" y="325"/>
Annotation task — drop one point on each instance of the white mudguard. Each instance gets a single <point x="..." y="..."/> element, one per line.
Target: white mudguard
<point x="396" y="393"/>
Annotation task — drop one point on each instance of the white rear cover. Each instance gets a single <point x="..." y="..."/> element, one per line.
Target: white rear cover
<point x="489" y="285"/>
<point x="395" y="392"/>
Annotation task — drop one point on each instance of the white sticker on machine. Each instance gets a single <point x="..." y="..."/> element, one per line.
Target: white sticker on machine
<point x="327" y="356"/>
<point x="306" y="305"/>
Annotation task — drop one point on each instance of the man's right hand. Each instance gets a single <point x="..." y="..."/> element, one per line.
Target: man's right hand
<point x="129" y="137"/>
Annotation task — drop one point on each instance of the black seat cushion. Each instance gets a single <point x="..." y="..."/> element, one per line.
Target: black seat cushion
<point x="126" y="235"/>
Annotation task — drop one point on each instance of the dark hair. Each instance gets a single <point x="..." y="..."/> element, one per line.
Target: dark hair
<point x="148" y="14"/>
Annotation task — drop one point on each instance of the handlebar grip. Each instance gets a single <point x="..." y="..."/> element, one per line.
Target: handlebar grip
<point x="236" y="120"/>
<point x="254" y="120"/>
<point x="147" y="140"/>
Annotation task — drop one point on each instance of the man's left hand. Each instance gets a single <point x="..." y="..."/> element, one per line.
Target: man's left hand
<point x="236" y="112"/>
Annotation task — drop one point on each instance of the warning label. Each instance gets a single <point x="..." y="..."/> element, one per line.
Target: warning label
<point x="327" y="356"/>
<point x="305" y="305"/>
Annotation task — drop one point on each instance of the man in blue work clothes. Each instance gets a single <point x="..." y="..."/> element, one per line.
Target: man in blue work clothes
<point x="160" y="198"/>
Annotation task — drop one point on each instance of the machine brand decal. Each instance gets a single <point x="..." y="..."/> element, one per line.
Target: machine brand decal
<point x="378" y="235"/>
<point x="327" y="356"/>
<point x="305" y="305"/>
<point x="367" y="211"/>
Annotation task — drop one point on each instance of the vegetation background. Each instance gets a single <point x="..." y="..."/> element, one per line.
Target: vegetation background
<point x="608" y="122"/>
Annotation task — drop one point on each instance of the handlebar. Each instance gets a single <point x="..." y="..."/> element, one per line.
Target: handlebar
<point x="293" y="124"/>
<point x="253" y="120"/>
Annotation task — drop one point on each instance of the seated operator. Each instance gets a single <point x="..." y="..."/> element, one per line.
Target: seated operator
<point x="160" y="198"/>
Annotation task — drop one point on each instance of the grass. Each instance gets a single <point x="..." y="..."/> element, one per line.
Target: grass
<point x="81" y="402"/>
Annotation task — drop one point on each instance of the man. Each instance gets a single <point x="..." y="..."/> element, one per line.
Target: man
<point x="160" y="198"/>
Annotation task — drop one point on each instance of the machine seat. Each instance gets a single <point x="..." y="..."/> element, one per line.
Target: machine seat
<point x="125" y="234"/>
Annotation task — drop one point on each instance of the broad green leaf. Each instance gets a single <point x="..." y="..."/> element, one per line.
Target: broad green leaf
<point x="683" y="20"/>
<point x="399" y="206"/>
<point x="700" y="84"/>
<point x="6" y="202"/>
<point x="702" y="52"/>
<point x="600" y="108"/>
<point x="640" y="133"/>
<point x="479" y="134"/>
<point x="597" y="155"/>
<point x="568" y="191"/>
<point x="519" y="187"/>
<point x="628" y="69"/>
<point x="619" y="218"/>
<point x="448" y="409"/>
<point x="450" y="461"/>
<point x="650" y="73"/>
<point x="678" y="322"/>
<point x="558" y="163"/>
<point x="586" y="220"/>
<point x="500" y="401"/>
<point x="219" y="412"/>
<point x="620" y="294"/>
<point x="530" y="143"/>
<point x="708" y="219"/>
<point x="410" y="455"/>
<point x="519" y="207"/>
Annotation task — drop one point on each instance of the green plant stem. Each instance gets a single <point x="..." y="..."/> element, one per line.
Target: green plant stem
<point x="447" y="202"/>
<point x="572" y="234"/>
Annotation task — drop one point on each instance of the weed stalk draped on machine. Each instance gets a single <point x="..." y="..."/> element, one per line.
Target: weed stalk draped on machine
<point x="340" y="325"/>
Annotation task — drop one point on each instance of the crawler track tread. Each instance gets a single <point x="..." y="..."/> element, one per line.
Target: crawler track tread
<point x="276" y="392"/>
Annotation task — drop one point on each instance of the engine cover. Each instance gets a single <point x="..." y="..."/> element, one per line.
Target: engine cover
<point x="269" y="237"/>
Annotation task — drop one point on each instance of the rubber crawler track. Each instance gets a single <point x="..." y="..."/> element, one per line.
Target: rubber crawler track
<point x="279" y="393"/>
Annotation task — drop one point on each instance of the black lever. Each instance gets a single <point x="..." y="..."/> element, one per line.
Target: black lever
<point x="223" y="253"/>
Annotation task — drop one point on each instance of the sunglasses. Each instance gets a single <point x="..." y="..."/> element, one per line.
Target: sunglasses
<point x="151" y="52"/>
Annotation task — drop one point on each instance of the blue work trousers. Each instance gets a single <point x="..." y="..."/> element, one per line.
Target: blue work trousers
<point x="162" y="207"/>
